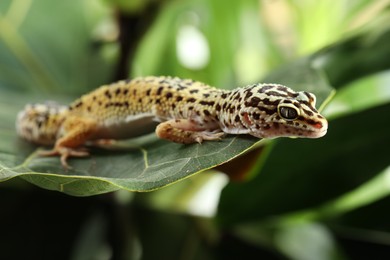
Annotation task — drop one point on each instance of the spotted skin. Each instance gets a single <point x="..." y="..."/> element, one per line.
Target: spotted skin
<point x="180" y="110"/>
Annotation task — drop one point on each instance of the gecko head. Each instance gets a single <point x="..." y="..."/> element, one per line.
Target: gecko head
<point x="40" y="123"/>
<point x="282" y="112"/>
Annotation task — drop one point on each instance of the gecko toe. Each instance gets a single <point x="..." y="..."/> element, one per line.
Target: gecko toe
<point x="209" y="136"/>
<point x="65" y="153"/>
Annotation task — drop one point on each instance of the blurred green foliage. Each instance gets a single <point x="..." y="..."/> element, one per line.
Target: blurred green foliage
<point x="301" y="199"/>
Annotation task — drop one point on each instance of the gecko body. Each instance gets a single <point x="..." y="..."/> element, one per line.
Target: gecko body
<point x="180" y="110"/>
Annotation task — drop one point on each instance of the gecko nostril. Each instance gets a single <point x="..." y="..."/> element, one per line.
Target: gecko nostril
<point x="318" y="125"/>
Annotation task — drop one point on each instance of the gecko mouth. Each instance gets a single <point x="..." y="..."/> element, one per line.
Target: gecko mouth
<point x="294" y="132"/>
<point x="318" y="134"/>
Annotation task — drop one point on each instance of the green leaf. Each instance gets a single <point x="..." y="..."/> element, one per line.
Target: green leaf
<point x="362" y="54"/>
<point x="51" y="56"/>
<point x="143" y="167"/>
<point x="318" y="242"/>
<point x="176" y="236"/>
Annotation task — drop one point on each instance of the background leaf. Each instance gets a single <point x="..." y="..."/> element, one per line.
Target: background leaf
<point x="32" y="59"/>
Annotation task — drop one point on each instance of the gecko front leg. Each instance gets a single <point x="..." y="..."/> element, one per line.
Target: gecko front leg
<point x="77" y="130"/>
<point x="186" y="131"/>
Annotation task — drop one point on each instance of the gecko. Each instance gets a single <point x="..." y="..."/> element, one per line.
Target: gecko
<point x="179" y="110"/>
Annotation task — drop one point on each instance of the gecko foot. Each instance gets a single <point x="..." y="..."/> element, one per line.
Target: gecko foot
<point x="207" y="136"/>
<point x="186" y="132"/>
<point x="65" y="153"/>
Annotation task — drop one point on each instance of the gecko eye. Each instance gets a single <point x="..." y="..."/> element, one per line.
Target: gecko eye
<point x="288" y="112"/>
